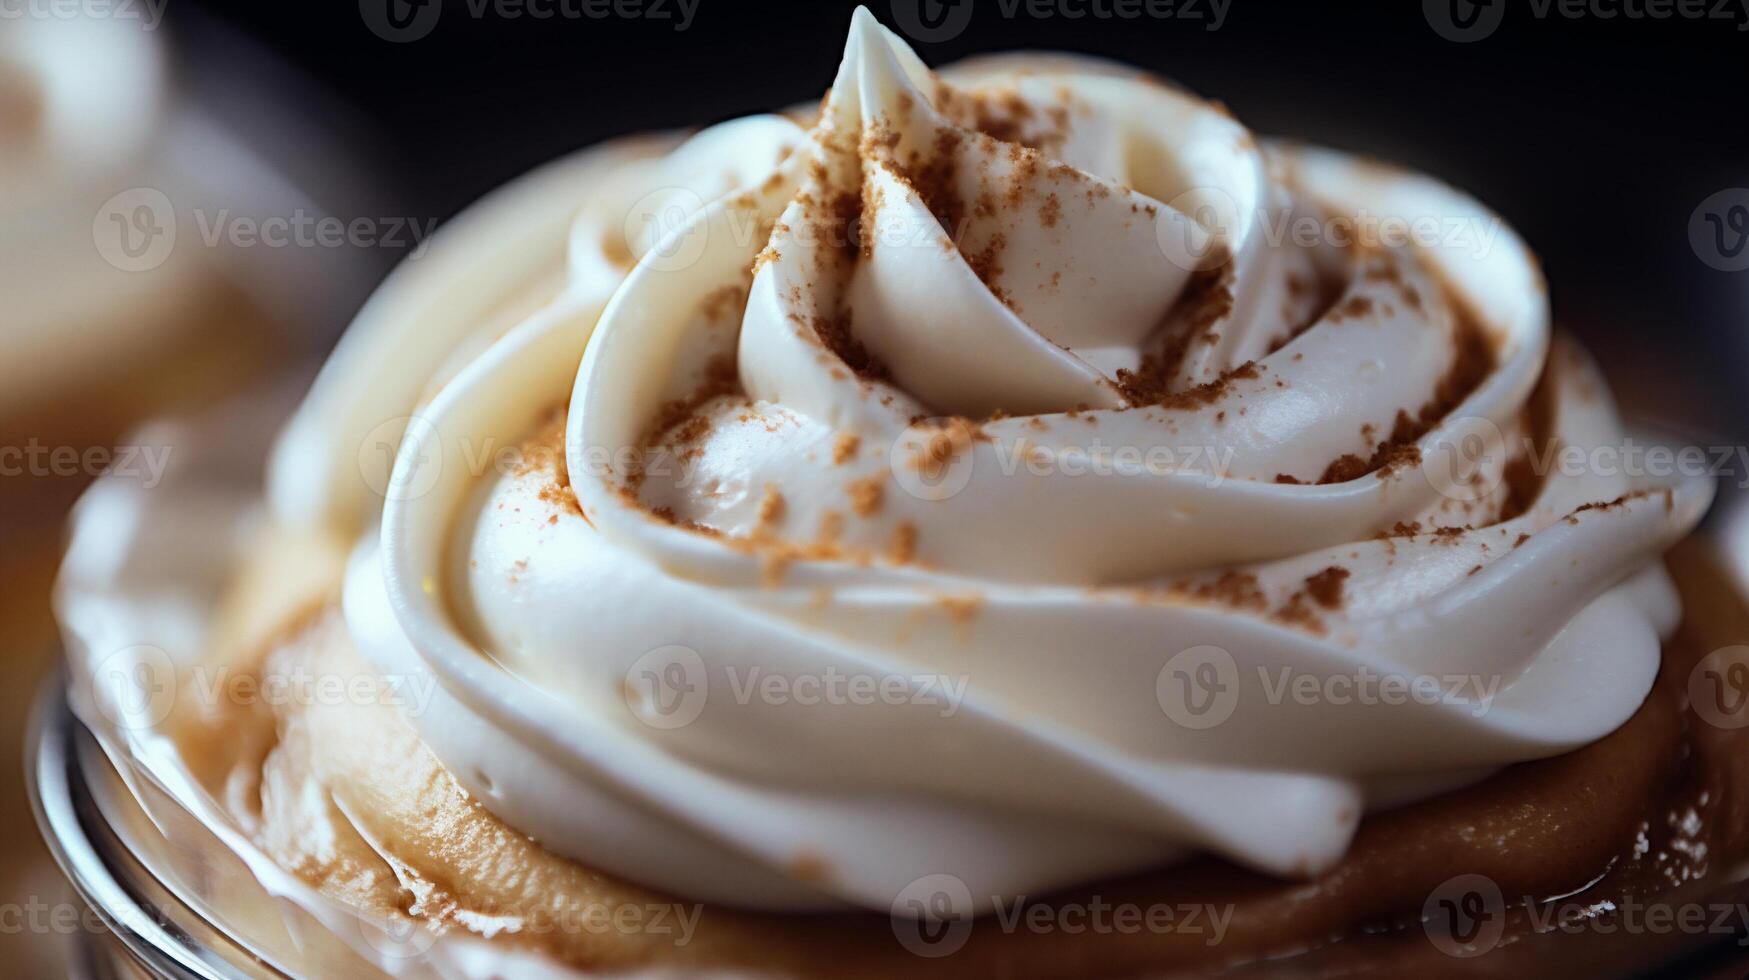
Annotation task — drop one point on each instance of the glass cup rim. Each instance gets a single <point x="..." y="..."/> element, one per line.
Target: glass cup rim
<point x="157" y="930"/>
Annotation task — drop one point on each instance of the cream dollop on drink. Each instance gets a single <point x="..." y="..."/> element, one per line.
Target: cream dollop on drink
<point x="984" y="477"/>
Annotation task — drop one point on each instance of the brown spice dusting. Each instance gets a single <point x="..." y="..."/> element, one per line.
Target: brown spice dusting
<point x="838" y="336"/>
<point x="949" y="438"/>
<point x="720" y="302"/>
<point x="936" y="178"/>
<point x="1357" y="306"/>
<point x="546" y="449"/>
<point x="1608" y="504"/>
<point x="1297" y="611"/>
<point x="1208" y="394"/>
<point x="987" y="266"/>
<point x="844" y="447"/>
<point x="1325" y="588"/>
<point x="562" y="496"/>
<point x="1344" y="468"/>
<point x="667" y="516"/>
<point x="961" y="609"/>
<point x="1050" y="212"/>
<point x="1474" y="359"/>
<point x="1523" y="484"/>
<point x="720" y="378"/>
<point x="904" y="547"/>
<point x="872" y="197"/>
<point x="845" y="224"/>
<point x="771" y="508"/>
<point x="866" y="495"/>
<point x="1239" y="590"/>
<point x="1206" y="300"/>
<point x="1402" y="529"/>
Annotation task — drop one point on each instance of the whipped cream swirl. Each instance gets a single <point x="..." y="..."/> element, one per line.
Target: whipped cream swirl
<point x="1002" y="383"/>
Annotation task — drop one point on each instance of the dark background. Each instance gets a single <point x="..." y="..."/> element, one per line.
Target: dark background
<point x="1596" y="137"/>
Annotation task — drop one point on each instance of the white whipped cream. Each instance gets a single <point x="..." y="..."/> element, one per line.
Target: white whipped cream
<point x="81" y="101"/>
<point x="1060" y="599"/>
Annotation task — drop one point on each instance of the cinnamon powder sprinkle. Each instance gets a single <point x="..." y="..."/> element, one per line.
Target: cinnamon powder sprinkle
<point x="771" y="508"/>
<point x="1325" y="588"/>
<point x="1206" y="301"/>
<point x="1357" y="306"/>
<point x="721" y="302"/>
<point x="547" y="449"/>
<point x="844" y="447"/>
<point x="1050" y="212"/>
<point x="1402" y="529"/>
<point x="952" y="437"/>
<point x="1239" y="590"/>
<point x="961" y="609"/>
<point x="1297" y="612"/>
<point x="835" y="332"/>
<point x="866" y="496"/>
<point x="904" y="546"/>
<point x="1207" y="394"/>
<point x="1474" y="361"/>
<point x="721" y="377"/>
